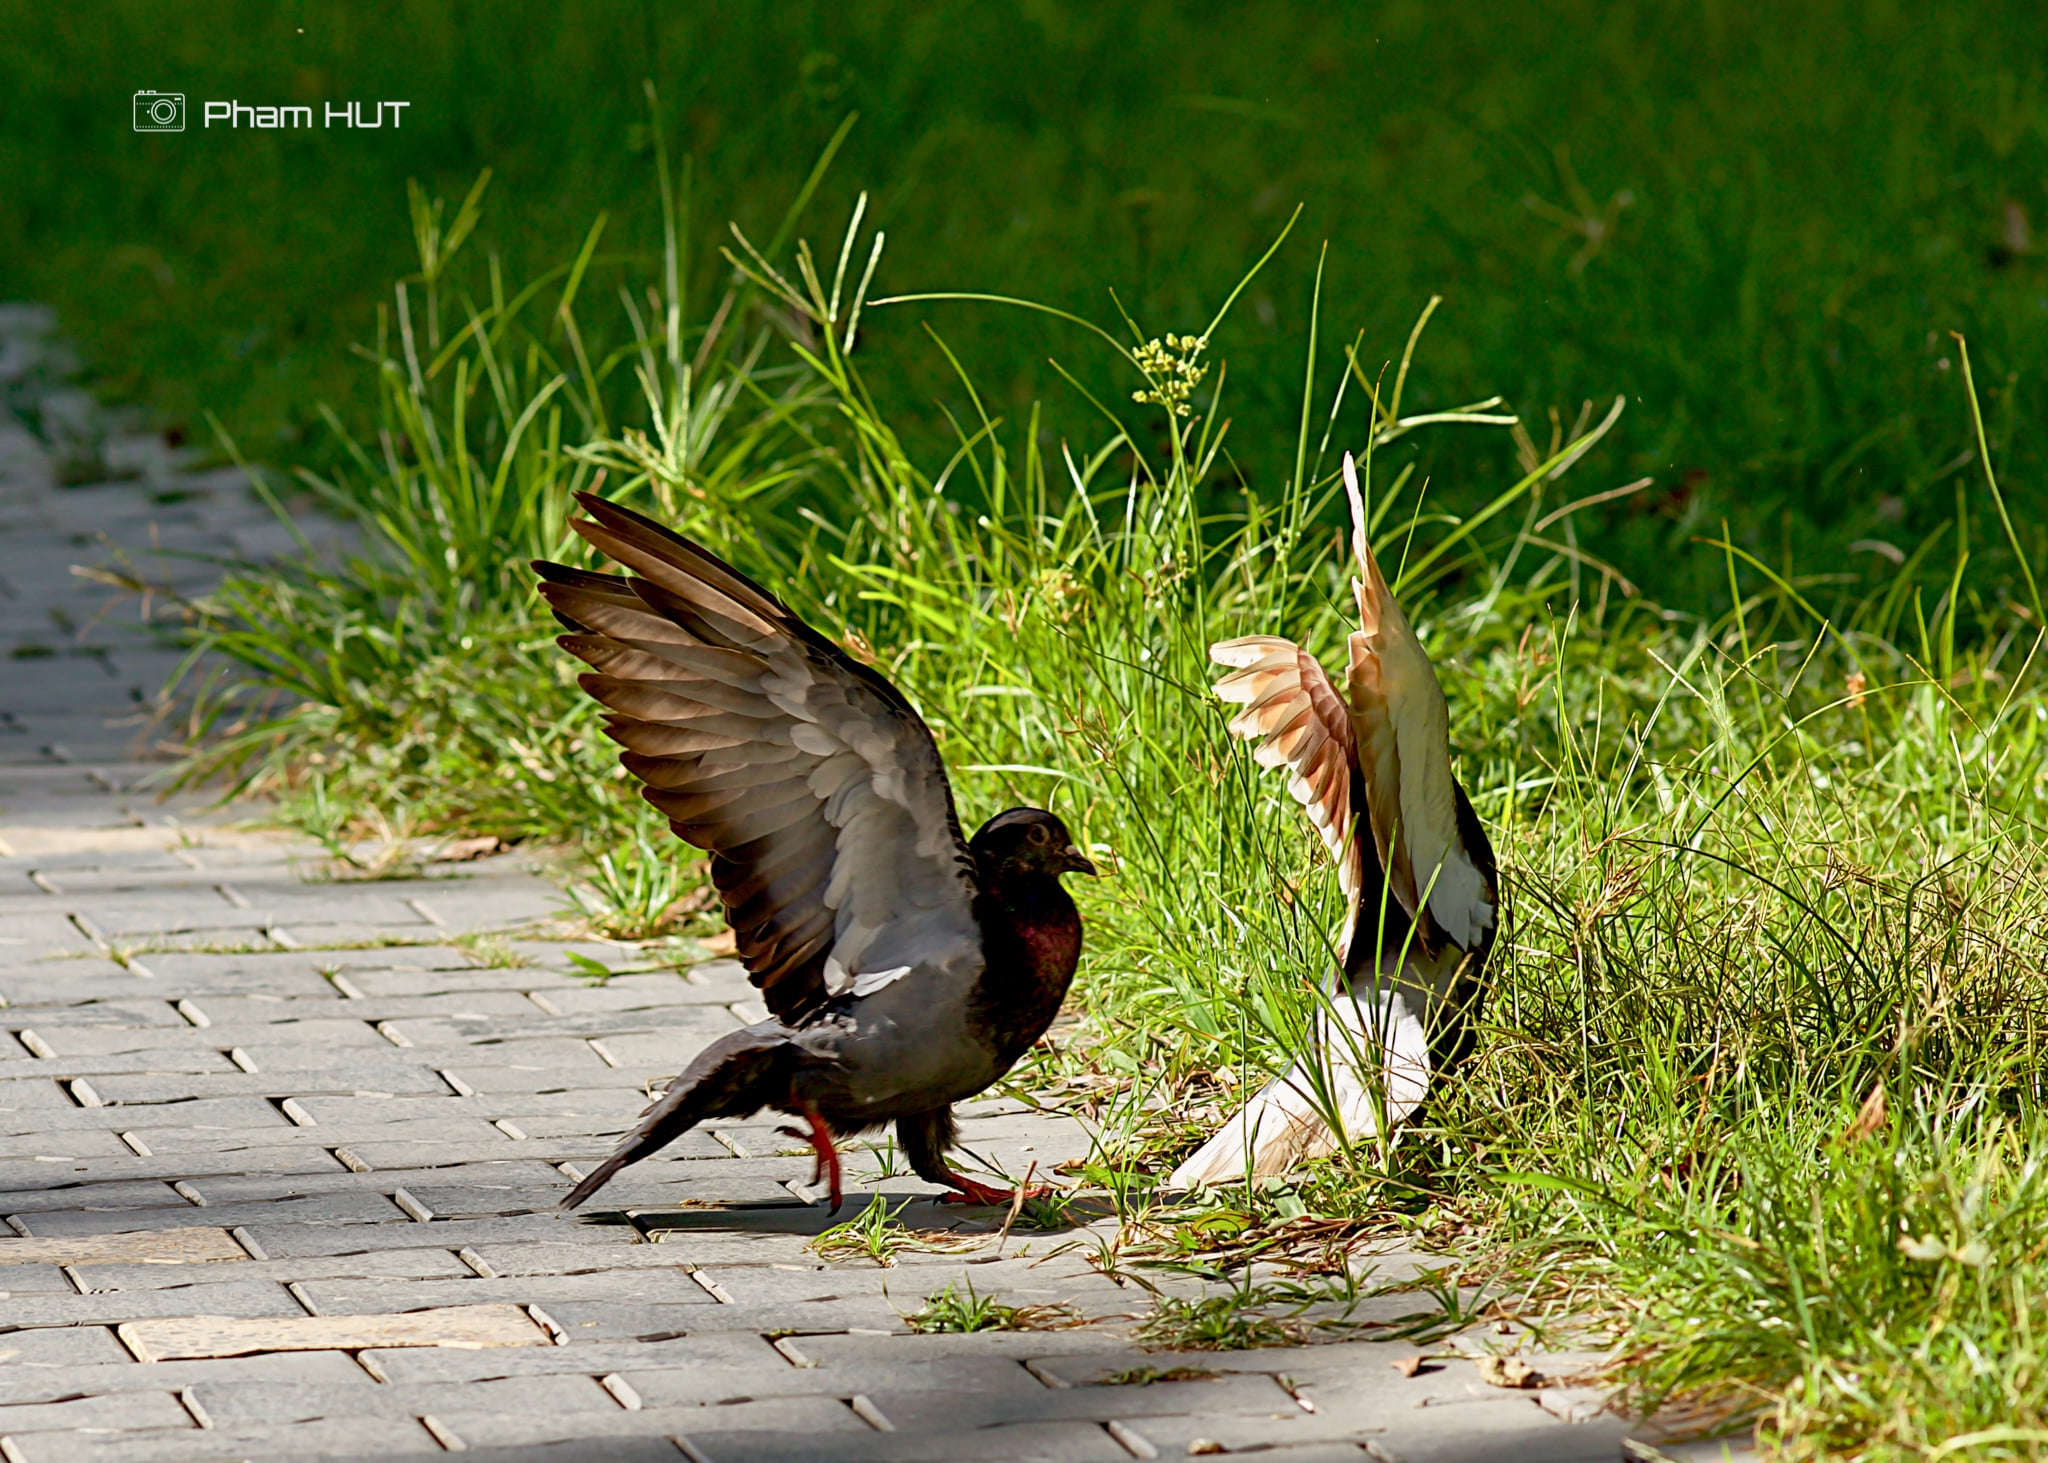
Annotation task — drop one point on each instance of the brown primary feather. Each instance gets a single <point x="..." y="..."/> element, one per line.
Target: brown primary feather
<point x="804" y="774"/>
<point x="585" y="602"/>
<point x="1403" y="734"/>
<point x="696" y="591"/>
<point x="1379" y="765"/>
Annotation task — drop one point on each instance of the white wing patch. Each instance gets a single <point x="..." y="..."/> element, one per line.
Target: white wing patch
<point x="840" y="981"/>
<point x="870" y="981"/>
<point x="1368" y="1065"/>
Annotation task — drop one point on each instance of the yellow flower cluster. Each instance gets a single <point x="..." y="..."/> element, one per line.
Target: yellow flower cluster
<point x="1172" y="370"/>
<point x="1066" y="595"/>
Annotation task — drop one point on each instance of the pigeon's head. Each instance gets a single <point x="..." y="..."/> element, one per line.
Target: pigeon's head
<point x="1026" y="841"/>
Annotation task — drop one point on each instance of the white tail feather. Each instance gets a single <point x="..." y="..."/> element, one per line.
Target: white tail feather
<point x="1374" y="1057"/>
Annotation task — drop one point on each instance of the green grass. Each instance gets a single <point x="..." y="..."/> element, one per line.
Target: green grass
<point x="1816" y="192"/>
<point x="957" y="1307"/>
<point x="1232" y="1321"/>
<point x="878" y="1234"/>
<point x="1758" y="859"/>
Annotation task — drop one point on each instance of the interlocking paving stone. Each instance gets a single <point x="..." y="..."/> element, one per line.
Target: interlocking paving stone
<point x="121" y="1410"/>
<point x="714" y="1378"/>
<point x="236" y="1298"/>
<point x="410" y="1264"/>
<point x="628" y="1319"/>
<point x="335" y="1210"/>
<point x="466" y="1325"/>
<point x="129" y="1166"/>
<point x="124" y="1005"/>
<point x="202" y="1114"/>
<point x="33" y="1094"/>
<point x="79" y="1049"/>
<point x="1486" y="1432"/>
<point x="745" y="1354"/>
<point x="36" y="1381"/>
<point x="188" y="1058"/>
<point x="368" y="1294"/>
<point x="138" y="1092"/>
<point x="184" y="1246"/>
<point x="812" y="1415"/>
<point x="83" y="1144"/>
<point x="238" y="1404"/>
<point x="501" y="1171"/>
<point x="659" y="1449"/>
<point x="35" y="1279"/>
<point x="57" y="1348"/>
<point x="499" y="1072"/>
<point x="1045" y="1442"/>
<point x="369" y="1437"/>
<point x="284" y="1238"/>
<point x="550" y="1257"/>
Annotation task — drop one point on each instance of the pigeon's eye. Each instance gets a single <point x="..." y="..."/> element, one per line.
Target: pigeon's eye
<point x="1039" y="835"/>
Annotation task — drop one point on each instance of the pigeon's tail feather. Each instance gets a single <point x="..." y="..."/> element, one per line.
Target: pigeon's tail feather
<point x="735" y="1076"/>
<point x="1371" y="1056"/>
<point x="600" y="1176"/>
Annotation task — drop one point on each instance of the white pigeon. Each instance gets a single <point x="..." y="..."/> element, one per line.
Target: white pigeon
<point x="1421" y="893"/>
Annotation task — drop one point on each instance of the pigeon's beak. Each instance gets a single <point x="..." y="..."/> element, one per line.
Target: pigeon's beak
<point x="1075" y="861"/>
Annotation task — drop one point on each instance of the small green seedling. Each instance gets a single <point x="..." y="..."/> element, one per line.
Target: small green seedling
<point x="959" y="1308"/>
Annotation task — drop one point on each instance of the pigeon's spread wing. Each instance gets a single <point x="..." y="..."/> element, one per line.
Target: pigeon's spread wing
<point x="1402" y="729"/>
<point x="1299" y="722"/>
<point x="810" y="780"/>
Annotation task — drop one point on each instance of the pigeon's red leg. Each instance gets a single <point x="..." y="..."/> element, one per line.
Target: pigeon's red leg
<point x="820" y="1138"/>
<point x="828" y="1156"/>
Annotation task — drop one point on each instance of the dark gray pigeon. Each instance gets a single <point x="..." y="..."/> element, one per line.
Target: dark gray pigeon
<point x="906" y="968"/>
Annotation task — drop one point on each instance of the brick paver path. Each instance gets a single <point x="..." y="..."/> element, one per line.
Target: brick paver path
<point x="280" y="1155"/>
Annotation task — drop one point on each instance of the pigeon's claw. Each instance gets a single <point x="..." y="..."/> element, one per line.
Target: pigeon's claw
<point x="967" y="1191"/>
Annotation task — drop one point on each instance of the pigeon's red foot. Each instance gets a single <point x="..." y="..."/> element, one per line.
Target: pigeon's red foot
<point x="827" y="1166"/>
<point x="967" y="1191"/>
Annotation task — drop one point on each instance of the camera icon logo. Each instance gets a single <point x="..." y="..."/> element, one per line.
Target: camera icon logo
<point x="159" y="111"/>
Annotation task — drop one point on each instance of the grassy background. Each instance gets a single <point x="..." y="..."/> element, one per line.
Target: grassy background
<point x="1758" y="1088"/>
<point x="1819" y="192"/>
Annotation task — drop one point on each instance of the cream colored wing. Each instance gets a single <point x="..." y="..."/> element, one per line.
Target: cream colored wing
<point x="1297" y="720"/>
<point x="1401" y="726"/>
